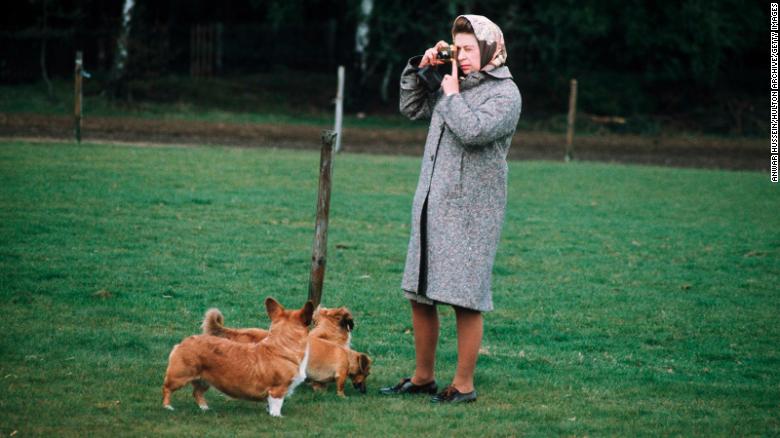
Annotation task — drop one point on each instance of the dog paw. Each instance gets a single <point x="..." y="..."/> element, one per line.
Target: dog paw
<point x="204" y="408"/>
<point x="169" y="407"/>
<point x="275" y="406"/>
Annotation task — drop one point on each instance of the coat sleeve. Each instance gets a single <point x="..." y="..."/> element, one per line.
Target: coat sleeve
<point x="415" y="102"/>
<point x="493" y="118"/>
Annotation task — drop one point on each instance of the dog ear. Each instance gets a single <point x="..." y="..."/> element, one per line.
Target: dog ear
<point x="306" y="313"/>
<point x="273" y="307"/>
<point x="365" y="362"/>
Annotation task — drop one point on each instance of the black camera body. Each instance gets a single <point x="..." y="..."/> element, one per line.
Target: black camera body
<point x="432" y="75"/>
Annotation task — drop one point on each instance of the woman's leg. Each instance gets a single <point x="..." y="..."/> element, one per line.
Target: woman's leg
<point x="469" y="324"/>
<point x="425" y="320"/>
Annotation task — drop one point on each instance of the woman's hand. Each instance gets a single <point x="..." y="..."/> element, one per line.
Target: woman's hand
<point x="450" y="84"/>
<point x="429" y="58"/>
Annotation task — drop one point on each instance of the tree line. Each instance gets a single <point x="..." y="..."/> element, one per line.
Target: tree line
<point x="630" y="56"/>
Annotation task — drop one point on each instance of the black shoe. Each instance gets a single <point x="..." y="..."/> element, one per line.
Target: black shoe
<point x="407" y="387"/>
<point x="452" y="395"/>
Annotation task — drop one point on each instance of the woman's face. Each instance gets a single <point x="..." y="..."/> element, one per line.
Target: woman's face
<point x="468" y="52"/>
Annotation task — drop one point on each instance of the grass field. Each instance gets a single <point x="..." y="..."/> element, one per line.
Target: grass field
<point x="630" y="300"/>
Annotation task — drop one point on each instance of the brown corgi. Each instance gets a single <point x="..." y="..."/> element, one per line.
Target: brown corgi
<point x="335" y="362"/>
<point x="268" y="369"/>
<point x="330" y="357"/>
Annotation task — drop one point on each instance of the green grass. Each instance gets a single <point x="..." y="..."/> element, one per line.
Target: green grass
<point x="630" y="300"/>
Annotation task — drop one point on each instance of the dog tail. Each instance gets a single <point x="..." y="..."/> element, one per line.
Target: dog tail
<point x="213" y="323"/>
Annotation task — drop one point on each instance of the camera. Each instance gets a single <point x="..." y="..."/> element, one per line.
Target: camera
<point x="448" y="54"/>
<point x="432" y="75"/>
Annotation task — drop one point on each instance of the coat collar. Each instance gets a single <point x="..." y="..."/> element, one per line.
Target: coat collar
<point x="500" y="73"/>
<point x="474" y="79"/>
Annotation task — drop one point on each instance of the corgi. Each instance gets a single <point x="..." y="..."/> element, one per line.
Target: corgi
<point x="330" y="357"/>
<point x="269" y="369"/>
<point x="333" y="362"/>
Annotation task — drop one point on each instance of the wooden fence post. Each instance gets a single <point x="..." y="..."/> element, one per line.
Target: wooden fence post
<point x="571" y="119"/>
<point x="205" y="49"/>
<point x="320" y="247"/>
<point x="219" y="49"/>
<point x="78" y="95"/>
<point x="193" y="56"/>
<point x="339" y="107"/>
<point x="208" y="40"/>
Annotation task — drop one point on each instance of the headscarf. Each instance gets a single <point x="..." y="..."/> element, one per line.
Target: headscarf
<point x="490" y="39"/>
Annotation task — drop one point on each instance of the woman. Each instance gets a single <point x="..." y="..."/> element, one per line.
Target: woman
<point x="458" y="208"/>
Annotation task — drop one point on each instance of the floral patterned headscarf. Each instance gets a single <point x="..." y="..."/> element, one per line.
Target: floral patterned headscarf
<point x="490" y="39"/>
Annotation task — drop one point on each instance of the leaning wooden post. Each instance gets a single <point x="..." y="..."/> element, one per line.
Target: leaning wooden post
<point x="320" y="247"/>
<point x="78" y="96"/>
<point x="571" y="118"/>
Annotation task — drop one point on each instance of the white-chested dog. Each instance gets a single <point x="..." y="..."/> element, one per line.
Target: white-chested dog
<point x="271" y="368"/>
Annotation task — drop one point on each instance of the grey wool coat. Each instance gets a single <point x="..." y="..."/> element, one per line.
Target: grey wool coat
<point x="462" y="186"/>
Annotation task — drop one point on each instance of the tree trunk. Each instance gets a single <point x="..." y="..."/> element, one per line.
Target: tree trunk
<point x="117" y="78"/>
<point x="361" y="45"/>
<point x="362" y="33"/>
<point x="384" y="92"/>
<point x="44" y="30"/>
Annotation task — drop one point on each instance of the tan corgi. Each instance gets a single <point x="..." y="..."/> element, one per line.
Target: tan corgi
<point x="269" y="369"/>
<point x="330" y="357"/>
<point x="331" y="362"/>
